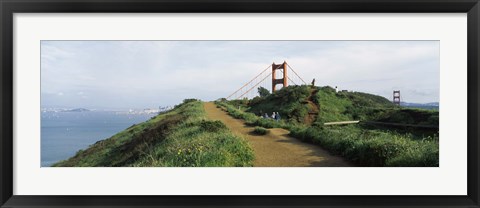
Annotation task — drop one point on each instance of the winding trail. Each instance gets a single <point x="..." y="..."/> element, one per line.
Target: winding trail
<point x="276" y="149"/>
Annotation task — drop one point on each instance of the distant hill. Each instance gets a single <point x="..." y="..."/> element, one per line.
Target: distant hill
<point x="77" y="110"/>
<point x="420" y="104"/>
<point x="432" y="105"/>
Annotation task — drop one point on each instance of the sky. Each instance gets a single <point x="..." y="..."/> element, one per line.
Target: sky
<point x="149" y="74"/>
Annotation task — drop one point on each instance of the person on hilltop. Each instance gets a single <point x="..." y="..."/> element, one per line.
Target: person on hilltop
<point x="273" y="115"/>
<point x="313" y="82"/>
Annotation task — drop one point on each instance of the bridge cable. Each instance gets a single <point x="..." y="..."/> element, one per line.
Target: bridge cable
<point x="248" y="82"/>
<point x="255" y="85"/>
<point x="296" y="73"/>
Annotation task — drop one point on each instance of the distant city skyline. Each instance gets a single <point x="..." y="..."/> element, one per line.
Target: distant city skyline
<point x="149" y="74"/>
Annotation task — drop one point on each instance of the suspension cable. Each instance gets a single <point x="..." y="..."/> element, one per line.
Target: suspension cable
<point x="289" y="78"/>
<point x="248" y="82"/>
<point x="296" y="73"/>
<point x="255" y="85"/>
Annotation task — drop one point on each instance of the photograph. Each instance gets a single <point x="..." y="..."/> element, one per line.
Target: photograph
<point x="271" y="103"/>
<point x="239" y="103"/>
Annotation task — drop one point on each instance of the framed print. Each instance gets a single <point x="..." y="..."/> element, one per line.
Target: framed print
<point x="214" y="103"/>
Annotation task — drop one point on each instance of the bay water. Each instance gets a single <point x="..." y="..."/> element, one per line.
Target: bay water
<point x="64" y="133"/>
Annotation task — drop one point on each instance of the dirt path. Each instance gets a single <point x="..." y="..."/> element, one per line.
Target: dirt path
<point x="312" y="108"/>
<point x="276" y="149"/>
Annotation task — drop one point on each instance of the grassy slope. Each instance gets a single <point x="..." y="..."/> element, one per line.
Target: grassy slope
<point x="348" y="105"/>
<point x="181" y="137"/>
<point x="344" y="106"/>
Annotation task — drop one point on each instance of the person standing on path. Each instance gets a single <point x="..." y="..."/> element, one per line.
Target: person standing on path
<point x="273" y="115"/>
<point x="277" y="116"/>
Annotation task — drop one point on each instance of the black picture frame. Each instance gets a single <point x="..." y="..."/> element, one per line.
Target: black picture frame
<point x="9" y="7"/>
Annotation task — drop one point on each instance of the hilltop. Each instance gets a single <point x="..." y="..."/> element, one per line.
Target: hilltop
<point x="314" y="105"/>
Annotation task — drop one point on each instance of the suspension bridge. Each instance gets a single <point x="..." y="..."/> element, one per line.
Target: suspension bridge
<point x="269" y="77"/>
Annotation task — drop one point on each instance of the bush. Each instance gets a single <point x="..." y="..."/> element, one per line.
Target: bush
<point x="189" y="100"/>
<point x="263" y="92"/>
<point x="212" y="126"/>
<point x="260" y="130"/>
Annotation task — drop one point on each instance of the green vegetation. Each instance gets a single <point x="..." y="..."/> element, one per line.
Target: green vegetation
<point x="343" y="106"/>
<point x="263" y="92"/>
<point x="260" y="130"/>
<point x="363" y="144"/>
<point x="373" y="147"/>
<point x="253" y="120"/>
<point x="408" y="116"/>
<point x="181" y="137"/>
<point x="290" y="102"/>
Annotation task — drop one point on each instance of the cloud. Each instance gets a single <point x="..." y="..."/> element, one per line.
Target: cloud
<point x="152" y="73"/>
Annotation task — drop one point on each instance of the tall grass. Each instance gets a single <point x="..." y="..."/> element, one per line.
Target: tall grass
<point x="183" y="137"/>
<point x="373" y="148"/>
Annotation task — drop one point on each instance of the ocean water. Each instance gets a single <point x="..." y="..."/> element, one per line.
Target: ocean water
<point x="64" y="133"/>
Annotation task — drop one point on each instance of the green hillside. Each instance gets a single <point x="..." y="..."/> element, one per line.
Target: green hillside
<point x="181" y="137"/>
<point x="305" y="109"/>
<point x="291" y="102"/>
<point x="344" y="106"/>
<point x="367" y="107"/>
<point x="297" y="103"/>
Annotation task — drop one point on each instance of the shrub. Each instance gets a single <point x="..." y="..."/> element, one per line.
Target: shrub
<point x="260" y="130"/>
<point x="189" y="100"/>
<point x="212" y="126"/>
<point x="263" y="92"/>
